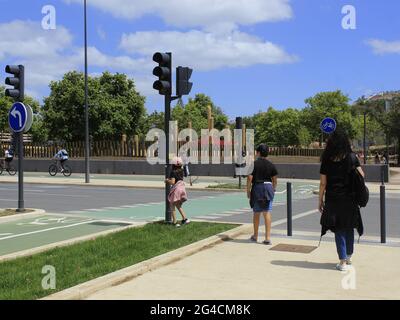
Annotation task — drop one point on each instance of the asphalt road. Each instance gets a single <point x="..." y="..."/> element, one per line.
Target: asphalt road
<point x="207" y="205"/>
<point x="61" y="199"/>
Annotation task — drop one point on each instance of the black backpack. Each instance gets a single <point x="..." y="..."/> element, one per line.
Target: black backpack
<point x="359" y="190"/>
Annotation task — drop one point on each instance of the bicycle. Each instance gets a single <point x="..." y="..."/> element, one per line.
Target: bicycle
<point x="10" y="169"/>
<point x="53" y="169"/>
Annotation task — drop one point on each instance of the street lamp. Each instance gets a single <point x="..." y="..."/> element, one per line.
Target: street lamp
<point x="387" y="109"/>
<point x="365" y="135"/>
<point x="87" y="143"/>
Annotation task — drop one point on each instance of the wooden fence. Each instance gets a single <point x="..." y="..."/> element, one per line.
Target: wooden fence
<point x="138" y="149"/>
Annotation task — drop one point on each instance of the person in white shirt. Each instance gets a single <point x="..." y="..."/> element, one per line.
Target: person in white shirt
<point x="8" y="157"/>
<point x="61" y="156"/>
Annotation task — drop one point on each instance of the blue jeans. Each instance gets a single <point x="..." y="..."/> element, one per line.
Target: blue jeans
<point x="344" y="243"/>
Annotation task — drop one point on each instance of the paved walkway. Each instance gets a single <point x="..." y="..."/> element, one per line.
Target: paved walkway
<point x="395" y="176"/>
<point x="239" y="269"/>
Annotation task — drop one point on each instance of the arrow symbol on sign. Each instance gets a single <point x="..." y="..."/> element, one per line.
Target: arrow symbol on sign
<point x="16" y="113"/>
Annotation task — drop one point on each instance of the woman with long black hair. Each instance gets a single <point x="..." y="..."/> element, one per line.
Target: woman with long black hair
<point x="340" y="212"/>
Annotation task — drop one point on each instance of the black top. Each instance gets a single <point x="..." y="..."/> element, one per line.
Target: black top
<point x="337" y="173"/>
<point x="177" y="174"/>
<point x="263" y="170"/>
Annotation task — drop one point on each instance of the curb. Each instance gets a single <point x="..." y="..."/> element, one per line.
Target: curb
<point x="17" y="216"/>
<point x="82" y="184"/>
<point x="86" y="289"/>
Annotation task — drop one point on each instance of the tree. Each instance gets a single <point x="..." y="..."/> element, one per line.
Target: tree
<point x="150" y="121"/>
<point x="5" y="106"/>
<point x="277" y="128"/>
<point x="115" y="107"/>
<point x="328" y="104"/>
<point x="388" y="120"/>
<point x="196" y="112"/>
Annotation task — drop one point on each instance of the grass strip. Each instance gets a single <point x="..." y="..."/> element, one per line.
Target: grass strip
<point x="227" y="186"/>
<point x="10" y="212"/>
<point x="75" y="264"/>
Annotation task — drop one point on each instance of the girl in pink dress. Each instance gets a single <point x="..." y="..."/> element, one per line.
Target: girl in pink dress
<point x="177" y="196"/>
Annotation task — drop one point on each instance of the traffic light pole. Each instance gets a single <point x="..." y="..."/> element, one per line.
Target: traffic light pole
<point x="168" y="209"/>
<point x="168" y="213"/>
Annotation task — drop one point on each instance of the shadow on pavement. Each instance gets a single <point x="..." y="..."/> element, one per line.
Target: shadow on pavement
<point x="305" y="265"/>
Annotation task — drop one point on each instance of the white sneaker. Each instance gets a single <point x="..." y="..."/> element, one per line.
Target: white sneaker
<point x="348" y="261"/>
<point x="341" y="267"/>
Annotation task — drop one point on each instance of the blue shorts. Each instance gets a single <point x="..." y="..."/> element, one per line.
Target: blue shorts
<point x="257" y="208"/>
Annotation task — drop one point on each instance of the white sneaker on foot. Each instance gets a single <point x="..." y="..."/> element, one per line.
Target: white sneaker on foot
<point x="341" y="267"/>
<point x="348" y="260"/>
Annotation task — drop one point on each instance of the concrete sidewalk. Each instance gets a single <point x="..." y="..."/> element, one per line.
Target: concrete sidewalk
<point x="239" y="269"/>
<point x="151" y="183"/>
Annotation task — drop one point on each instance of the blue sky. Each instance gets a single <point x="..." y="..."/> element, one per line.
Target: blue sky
<point x="246" y="54"/>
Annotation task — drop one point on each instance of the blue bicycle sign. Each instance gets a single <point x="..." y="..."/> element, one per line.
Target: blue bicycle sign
<point x="328" y="125"/>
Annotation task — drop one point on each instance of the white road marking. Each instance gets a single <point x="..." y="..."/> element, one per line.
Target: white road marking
<point x="202" y="217"/>
<point x="112" y="208"/>
<point x="295" y="217"/>
<point x="49" y="229"/>
<point x="77" y="212"/>
<point x="5" y="234"/>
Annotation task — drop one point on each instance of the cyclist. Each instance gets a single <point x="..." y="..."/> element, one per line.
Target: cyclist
<point x="8" y="157"/>
<point x="61" y="156"/>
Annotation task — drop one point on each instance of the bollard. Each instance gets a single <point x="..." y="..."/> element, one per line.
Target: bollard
<point x="289" y="208"/>
<point x="383" y="215"/>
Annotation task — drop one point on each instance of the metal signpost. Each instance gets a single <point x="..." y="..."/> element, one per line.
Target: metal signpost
<point x="20" y="119"/>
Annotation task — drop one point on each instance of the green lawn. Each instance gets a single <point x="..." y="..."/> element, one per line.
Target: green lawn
<point x="22" y="278"/>
<point x="10" y="212"/>
<point x="228" y="185"/>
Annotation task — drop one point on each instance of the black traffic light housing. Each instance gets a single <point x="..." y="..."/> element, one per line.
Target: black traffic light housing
<point x="183" y="86"/>
<point x="17" y="81"/>
<point x="163" y="72"/>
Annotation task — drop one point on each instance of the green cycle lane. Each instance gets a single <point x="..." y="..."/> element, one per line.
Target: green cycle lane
<point x="205" y="206"/>
<point x="30" y="233"/>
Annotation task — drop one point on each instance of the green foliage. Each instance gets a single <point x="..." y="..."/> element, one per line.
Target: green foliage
<point x="5" y="105"/>
<point x="115" y="107"/>
<point x="196" y="111"/>
<point x="328" y="104"/>
<point x="277" y="128"/>
<point x="37" y="130"/>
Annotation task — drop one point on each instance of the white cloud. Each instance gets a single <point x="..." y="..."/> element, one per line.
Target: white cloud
<point x="382" y="47"/>
<point x="208" y="14"/>
<point x="206" y="51"/>
<point x="49" y="54"/>
<point x="101" y="33"/>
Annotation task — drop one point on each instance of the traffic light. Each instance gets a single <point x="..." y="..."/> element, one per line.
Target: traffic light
<point x="17" y="81"/>
<point x="239" y="123"/>
<point x="163" y="72"/>
<point x="183" y="86"/>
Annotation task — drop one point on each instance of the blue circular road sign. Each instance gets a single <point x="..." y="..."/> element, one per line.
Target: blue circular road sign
<point x="328" y="125"/>
<point x="17" y="117"/>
